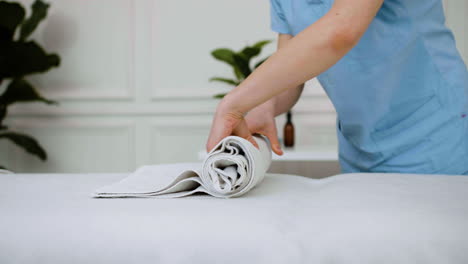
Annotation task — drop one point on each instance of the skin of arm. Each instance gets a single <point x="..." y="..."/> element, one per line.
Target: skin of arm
<point x="309" y="53"/>
<point x="261" y="119"/>
<point x="284" y="101"/>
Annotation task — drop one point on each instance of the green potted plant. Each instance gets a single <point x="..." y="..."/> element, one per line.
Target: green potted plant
<point x="239" y="61"/>
<point x="19" y="57"/>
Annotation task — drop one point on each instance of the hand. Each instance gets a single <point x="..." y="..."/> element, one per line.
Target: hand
<point x="262" y="120"/>
<point x="227" y="122"/>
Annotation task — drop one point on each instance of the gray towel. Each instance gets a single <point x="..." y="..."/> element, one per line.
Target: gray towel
<point x="232" y="168"/>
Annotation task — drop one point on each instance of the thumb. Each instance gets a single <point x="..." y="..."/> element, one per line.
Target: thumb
<point x="275" y="145"/>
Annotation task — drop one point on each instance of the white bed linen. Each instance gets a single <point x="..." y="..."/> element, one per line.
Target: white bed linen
<point x="349" y="218"/>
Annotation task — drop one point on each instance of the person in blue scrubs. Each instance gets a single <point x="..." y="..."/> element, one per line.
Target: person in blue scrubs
<point x="391" y="69"/>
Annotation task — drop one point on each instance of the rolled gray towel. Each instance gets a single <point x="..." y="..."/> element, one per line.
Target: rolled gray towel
<point x="232" y="168"/>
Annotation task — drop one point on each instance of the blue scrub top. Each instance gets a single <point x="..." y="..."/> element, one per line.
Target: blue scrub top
<point x="401" y="94"/>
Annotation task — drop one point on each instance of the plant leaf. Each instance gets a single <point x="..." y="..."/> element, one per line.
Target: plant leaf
<point x="224" y="80"/>
<point x="3" y="112"/>
<point x="22" y="58"/>
<point x="2" y="168"/>
<point x="242" y="64"/>
<point x="219" y="96"/>
<point x="262" y="43"/>
<point x="39" y="12"/>
<point x="11" y="15"/>
<point x="238" y="74"/>
<point x="260" y="62"/>
<point x="250" y="52"/>
<point x="225" y="55"/>
<point x="19" y="90"/>
<point x="26" y="142"/>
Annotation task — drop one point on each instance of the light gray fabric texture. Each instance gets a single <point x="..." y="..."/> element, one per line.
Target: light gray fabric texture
<point x="231" y="169"/>
<point x="348" y="218"/>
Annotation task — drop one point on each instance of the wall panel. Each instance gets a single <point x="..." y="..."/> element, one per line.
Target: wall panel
<point x="96" y="42"/>
<point x="77" y="145"/>
<point x="179" y="143"/>
<point x="184" y="34"/>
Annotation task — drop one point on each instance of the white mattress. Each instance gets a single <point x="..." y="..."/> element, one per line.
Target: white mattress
<point x="349" y="218"/>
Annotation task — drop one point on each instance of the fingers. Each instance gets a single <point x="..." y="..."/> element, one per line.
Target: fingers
<point x="243" y="131"/>
<point x="266" y="126"/>
<point x="252" y="123"/>
<point x="220" y="129"/>
<point x="272" y="135"/>
<point x="226" y="124"/>
<point x="252" y="140"/>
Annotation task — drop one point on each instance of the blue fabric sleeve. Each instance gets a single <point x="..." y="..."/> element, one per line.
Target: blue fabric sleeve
<point x="278" y="20"/>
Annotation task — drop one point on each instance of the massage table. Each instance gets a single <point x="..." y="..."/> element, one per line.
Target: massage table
<point x="347" y="218"/>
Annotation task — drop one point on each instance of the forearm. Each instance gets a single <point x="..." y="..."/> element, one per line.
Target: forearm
<point x="287" y="99"/>
<point x="308" y="54"/>
<point x="281" y="103"/>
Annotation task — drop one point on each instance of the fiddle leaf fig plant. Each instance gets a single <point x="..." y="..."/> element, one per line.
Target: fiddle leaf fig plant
<point x="239" y="61"/>
<point x="19" y="57"/>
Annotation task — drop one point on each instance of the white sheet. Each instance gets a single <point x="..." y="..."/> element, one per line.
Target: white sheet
<point x="349" y="218"/>
<point x="231" y="169"/>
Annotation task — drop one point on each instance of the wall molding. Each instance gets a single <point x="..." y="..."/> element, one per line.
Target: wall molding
<point x="122" y="132"/>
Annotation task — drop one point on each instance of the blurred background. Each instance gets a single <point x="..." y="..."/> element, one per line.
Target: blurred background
<point x="133" y="85"/>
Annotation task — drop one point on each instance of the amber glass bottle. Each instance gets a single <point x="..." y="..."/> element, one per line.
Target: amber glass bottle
<point x="288" y="131"/>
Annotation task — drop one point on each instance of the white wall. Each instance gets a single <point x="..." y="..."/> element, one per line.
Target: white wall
<point x="133" y="86"/>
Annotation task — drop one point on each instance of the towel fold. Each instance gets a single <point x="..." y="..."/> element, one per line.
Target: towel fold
<point x="232" y="168"/>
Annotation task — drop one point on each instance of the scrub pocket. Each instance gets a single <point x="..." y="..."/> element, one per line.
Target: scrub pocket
<point x="453" y="157"/>
<point x="404" y="128"/>
<point x="353" y="156"/>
